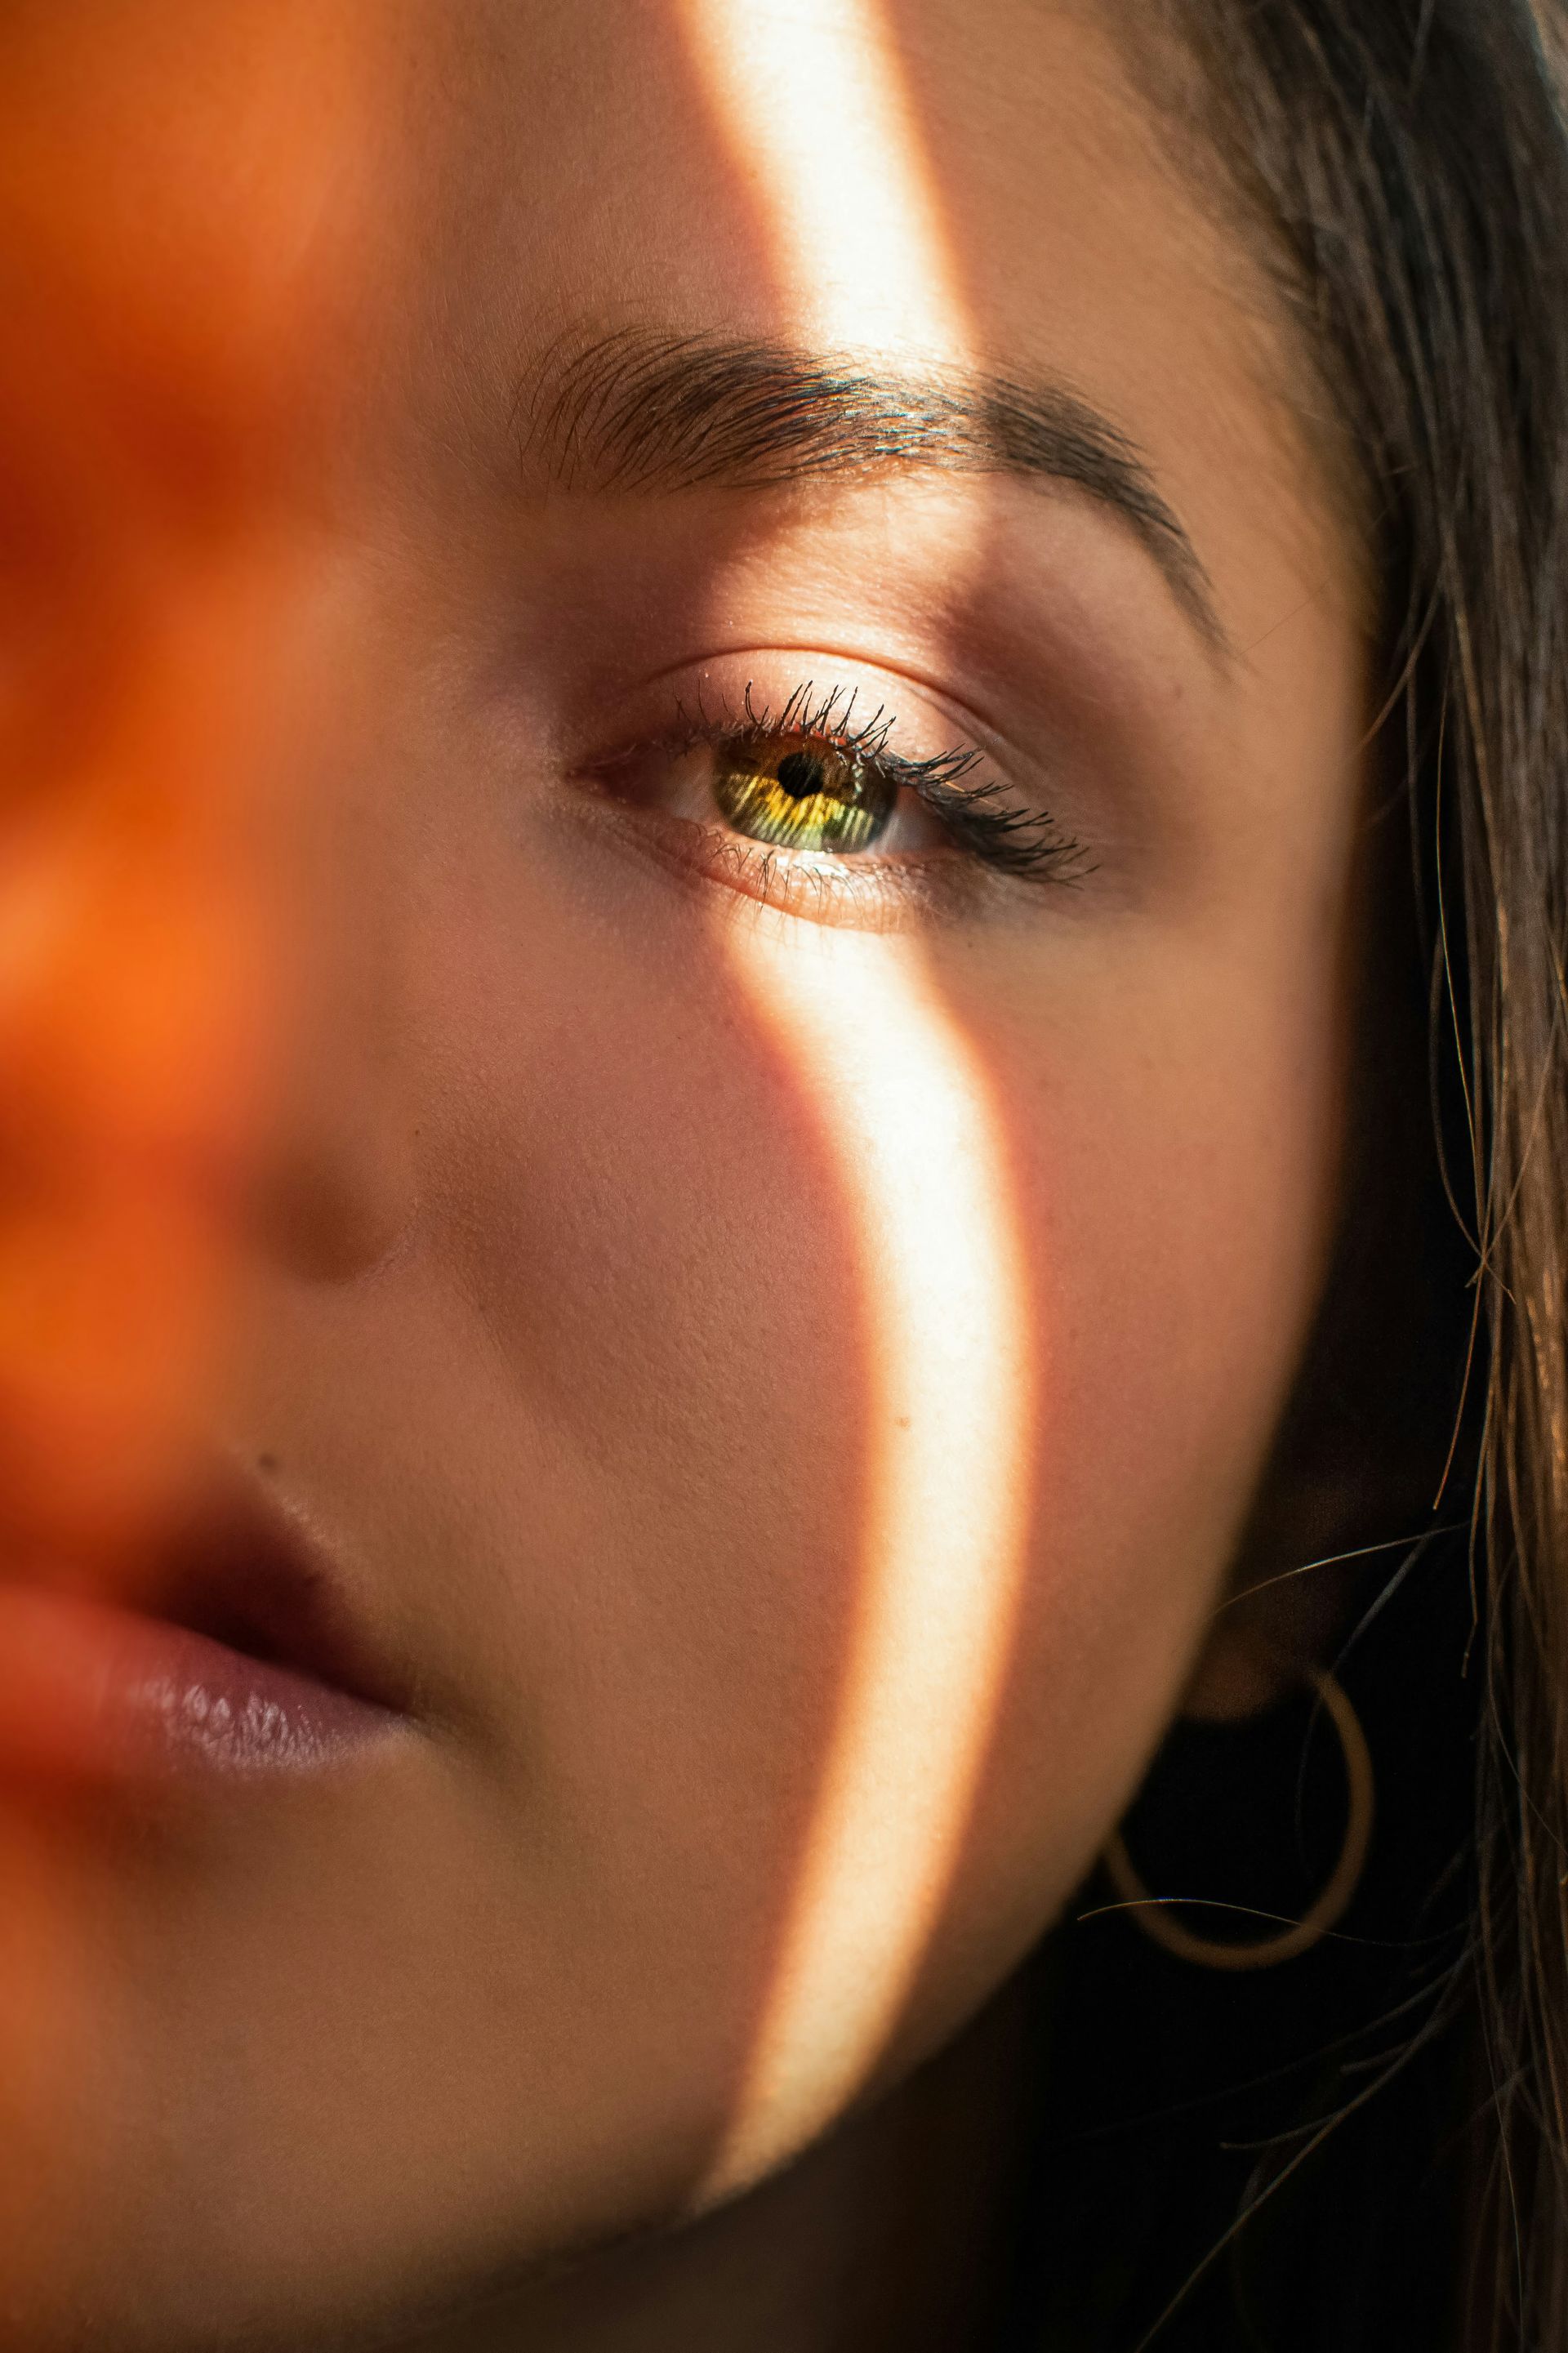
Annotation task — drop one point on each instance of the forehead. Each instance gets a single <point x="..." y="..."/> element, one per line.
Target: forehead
<point x="562" y="168"/>
<point x="481" y="181"/>
<point x="617" y="138"/>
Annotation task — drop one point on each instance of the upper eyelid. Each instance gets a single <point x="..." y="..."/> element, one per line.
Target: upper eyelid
<point x="811" y="724"/>
<point x="921" y="696"/>
<point x="872" y="738"/>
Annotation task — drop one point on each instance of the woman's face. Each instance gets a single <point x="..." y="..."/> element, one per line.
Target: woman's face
<point x="819" y="935"/>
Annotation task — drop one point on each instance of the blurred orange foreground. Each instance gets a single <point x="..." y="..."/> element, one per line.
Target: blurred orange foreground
<point x="172" y="292"/>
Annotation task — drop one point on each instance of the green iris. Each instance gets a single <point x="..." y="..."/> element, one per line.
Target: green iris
<point x="802" y="797"/>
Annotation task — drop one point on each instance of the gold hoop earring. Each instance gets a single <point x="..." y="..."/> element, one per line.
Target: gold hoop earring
<point x="1152" y="1915"/>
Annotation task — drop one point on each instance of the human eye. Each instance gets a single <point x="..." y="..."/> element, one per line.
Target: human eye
<point x="825" y="805"/>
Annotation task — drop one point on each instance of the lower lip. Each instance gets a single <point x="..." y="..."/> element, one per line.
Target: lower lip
<point x="92" y="1690"/>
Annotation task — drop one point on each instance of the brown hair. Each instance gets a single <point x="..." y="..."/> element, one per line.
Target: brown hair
<point x="1407" y="165"/>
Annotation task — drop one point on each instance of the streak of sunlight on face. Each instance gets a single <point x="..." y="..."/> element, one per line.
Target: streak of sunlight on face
<point x="859" y="252"/>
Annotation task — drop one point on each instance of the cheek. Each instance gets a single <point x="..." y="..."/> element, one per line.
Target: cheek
<point x="878" y="1391"/>
<point x="1175" y="1169"/>
<point x="1178" y="1206"/>
<point x="645" y="1211"/>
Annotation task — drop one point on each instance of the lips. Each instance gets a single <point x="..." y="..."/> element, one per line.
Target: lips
<point x="238" y="1656"/>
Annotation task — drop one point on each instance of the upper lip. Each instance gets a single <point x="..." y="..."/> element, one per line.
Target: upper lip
<point x="242" y="1568"/>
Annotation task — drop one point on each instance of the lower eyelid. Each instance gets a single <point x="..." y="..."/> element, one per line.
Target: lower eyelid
<point x="815" y="886"/>
<point x="867" y="893"/>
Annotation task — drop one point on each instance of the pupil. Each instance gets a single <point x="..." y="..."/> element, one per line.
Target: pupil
<point x="799" y="774"/>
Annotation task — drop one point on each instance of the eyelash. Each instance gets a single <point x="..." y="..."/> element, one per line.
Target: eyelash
<point x="1008" y="839"/>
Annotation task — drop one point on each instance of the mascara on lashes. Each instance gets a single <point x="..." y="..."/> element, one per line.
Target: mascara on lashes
<point x="860" y="774"/>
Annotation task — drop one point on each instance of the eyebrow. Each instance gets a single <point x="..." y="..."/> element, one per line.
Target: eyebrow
<point x="643" y="410"/>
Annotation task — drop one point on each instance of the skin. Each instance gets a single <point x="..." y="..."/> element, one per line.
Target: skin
<point x="556" y="1302"/>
